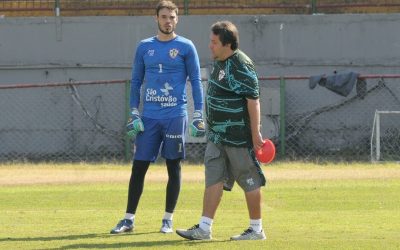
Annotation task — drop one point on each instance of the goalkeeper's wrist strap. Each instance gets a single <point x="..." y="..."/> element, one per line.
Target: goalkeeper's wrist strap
<point x="197" y="114"/>
<point x="134" y="111"/>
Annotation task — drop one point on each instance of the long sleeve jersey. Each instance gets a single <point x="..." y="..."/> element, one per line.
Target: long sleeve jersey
<point x="163" y="67"/>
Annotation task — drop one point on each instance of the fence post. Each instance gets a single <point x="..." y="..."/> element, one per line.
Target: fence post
<point x="186" y="7"/>
<point x="57" y="7"/>
<point x="313" y="6"/>
<point x="127" y="109"/>
<point x="282" y="121"/>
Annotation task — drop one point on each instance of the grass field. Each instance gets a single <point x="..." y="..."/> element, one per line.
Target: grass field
<point x="305" y="206"/>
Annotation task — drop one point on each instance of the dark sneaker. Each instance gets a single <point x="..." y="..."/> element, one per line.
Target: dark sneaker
<point x="166" y="226"/>
<point x="123" y="226"/>
<point x="250" y="234"/>
<point x="194" y="233"/>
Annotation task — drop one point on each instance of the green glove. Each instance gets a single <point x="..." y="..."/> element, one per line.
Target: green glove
<point x="135" y="124"/>
<point x="197" y="128"/>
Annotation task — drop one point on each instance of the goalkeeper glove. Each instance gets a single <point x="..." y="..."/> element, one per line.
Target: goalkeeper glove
<point x="197" y="127"/>
<point x="135" y="124"/>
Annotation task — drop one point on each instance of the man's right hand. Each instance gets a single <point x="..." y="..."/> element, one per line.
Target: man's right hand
<point x="135" y="123"/>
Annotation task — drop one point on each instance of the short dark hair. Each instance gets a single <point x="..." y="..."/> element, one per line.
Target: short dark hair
<point x="166" y="4"/>
<point x="227" y="32"/>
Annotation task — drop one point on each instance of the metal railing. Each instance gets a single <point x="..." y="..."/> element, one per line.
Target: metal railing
<point x="318" y="124"/>
<point x="68" y="121"/>
<point x="75" y="121"/>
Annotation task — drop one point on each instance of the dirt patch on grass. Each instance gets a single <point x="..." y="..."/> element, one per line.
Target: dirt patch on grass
<point x="54" y="175"/>
<point x="29" y="176"/>
<point x="331" y="174"/>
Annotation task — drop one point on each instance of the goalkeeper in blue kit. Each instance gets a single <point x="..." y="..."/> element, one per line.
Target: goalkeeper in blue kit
<point x="161" y="67"/>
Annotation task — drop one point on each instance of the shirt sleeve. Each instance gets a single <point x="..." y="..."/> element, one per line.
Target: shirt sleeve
<point x="138" y="69"/>
<point x="245" y="81"/>
<point x="193" y="71"/>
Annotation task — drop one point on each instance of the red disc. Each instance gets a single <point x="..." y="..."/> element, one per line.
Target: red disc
<point x="266" y="153"/>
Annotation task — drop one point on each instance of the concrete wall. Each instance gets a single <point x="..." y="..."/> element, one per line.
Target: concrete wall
<point x="88" y="48"/>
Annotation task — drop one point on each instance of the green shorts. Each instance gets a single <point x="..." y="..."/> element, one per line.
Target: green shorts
<point x="229" y="164"/>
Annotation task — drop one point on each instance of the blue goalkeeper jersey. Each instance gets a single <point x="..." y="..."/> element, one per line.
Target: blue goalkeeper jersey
<point x="163" y="68"/>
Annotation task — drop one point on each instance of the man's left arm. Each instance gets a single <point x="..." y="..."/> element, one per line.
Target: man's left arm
<point x="192" y="63"/>
<point x="253" y="106"/>
<point x="197" y="126"/>
<point x="251" y="90"/>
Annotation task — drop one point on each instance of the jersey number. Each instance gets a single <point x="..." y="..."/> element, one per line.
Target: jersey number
<point x="160" y="65"/>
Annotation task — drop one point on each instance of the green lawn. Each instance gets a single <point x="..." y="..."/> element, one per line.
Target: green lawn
<point x="298" y="213"/>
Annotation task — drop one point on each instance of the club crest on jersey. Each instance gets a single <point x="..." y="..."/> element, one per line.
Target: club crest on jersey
<point x="221" y="74"/>
<point x="150" y="52"/>
<point x="173" y="53"/>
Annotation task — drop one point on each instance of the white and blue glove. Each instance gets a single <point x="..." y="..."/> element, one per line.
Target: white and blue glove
<point x="135" y="123"/>
<point x="197" y="128"/>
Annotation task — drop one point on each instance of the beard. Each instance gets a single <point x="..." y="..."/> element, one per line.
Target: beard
<point x="166" y="32"/>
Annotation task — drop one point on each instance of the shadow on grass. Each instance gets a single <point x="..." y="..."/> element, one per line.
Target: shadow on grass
<point x="70" y="237"/>
<point x="150" y="244"/>
<point x="159" y="243"/>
